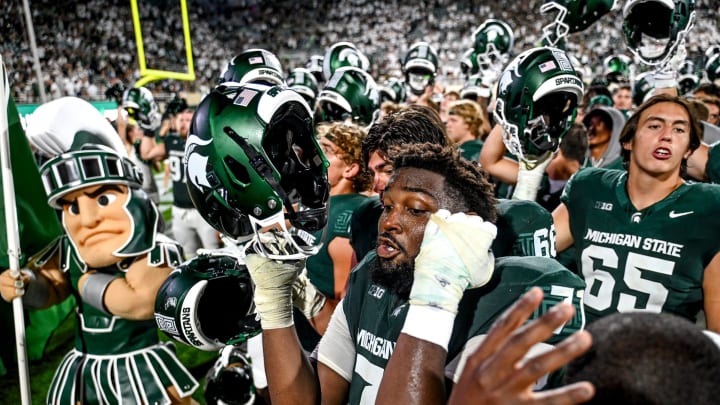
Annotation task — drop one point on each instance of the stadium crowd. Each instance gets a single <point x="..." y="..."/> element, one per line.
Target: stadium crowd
<point x="86" y="46"/>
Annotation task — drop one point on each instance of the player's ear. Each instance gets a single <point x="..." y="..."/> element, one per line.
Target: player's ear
<point x="351" y="171"/>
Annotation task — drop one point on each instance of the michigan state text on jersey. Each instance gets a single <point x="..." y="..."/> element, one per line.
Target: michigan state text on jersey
<point x="651" y="259"/>
<point x="374" y="317"/>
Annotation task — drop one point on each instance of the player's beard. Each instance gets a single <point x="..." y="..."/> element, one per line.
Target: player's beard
<point x="397" y="278"/>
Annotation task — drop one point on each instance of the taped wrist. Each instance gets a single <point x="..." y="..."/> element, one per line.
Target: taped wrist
<point x="430" y="324"/>
<point x="665" y="79"/>
<point x="273" y="289"/>
<point x="528" y="182"/>
<point x="274" y="305"/>
<point x="36" y="290"/>
<point x="93" y="291"/>
<point x="306" y="297"/>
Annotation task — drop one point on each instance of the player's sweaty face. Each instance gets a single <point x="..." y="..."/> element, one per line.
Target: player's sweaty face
<point x="408" y="201"/>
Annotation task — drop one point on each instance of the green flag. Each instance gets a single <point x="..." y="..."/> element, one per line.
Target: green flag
<point x="38" y="225"/>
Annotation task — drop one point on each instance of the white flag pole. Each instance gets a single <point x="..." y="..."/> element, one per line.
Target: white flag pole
<point x="13" y="238"/>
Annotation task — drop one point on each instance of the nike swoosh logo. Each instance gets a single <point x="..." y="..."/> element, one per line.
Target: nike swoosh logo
<point x="674" y="214"/>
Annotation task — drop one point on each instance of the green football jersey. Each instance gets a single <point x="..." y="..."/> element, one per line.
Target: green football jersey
<point x="375" y="316"/>
<point x="175" y="149"/>
<point x="651" y="259"/>
<point x="470" y="150"/>
<point x="320" y="265"/>
<point x="525" y="228"/>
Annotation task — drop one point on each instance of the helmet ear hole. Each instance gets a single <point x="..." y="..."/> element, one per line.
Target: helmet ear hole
<point x="238" y="170"/>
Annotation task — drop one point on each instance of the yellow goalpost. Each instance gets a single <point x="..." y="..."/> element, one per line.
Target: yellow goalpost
<point x="148" y="74"/>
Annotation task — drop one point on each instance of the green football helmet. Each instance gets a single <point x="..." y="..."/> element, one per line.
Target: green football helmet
<point x="653" y="29"/>
<point x="688" y="78"/>
<point x="617" y="68"/>
<point x="420" y="67"/>
<point x="304" y="83"/>
<point x="493" y="41"/>
<point x="393" y="89"/>
<point x="343" y="54"/>
<point x="140" y="105"/>
<point x="251" y="156"/>
<point x="207" y="302"/>
<point x="643" y="87"/>
<point x="253" y="66"/>
<point x="537" y="96"/>
<point x="468" y="63"/>
<point x="573" y="16"/>
<point x="350" y="93"/>
<point x="712" y="67"/>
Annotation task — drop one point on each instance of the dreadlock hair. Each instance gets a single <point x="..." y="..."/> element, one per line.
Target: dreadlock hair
<point x="467" y="188"/>
<point x="412" y="124"/>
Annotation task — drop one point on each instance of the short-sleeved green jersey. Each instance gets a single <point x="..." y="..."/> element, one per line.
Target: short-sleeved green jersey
<point x="320" y="265"/>
<point x="175" y="149"/>
<point x="651" y="259"/>
<point x="375" y="316"/>
<point x="470" y="150"/>
<point x="525" y="228"/>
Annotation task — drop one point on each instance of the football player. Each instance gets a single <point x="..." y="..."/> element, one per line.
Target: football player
<point x="631" y="228"/>
<point x="113" y="259"/>
<point x="394" y="294"/>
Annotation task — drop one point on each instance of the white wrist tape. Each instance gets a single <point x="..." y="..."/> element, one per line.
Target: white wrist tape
<point x="430" y="324"/>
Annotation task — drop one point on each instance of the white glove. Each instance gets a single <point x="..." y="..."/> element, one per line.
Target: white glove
<point x="666" y="76"/>
<point x="306" y="297"/>
<point x="273" y="289"/>
<point x="489" y="77"/>
<point x="454" y="255"/>
<point x="529" y="178"/>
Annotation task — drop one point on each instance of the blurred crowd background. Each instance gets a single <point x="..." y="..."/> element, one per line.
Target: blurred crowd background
<point x="85" y="46"/>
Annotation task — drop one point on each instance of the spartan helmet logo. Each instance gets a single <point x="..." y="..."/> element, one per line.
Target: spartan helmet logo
<point x="349" y="55"/>
<point x="197" y="163"/>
